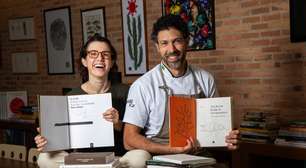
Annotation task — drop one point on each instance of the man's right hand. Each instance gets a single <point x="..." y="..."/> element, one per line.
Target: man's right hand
<point x="40" y="141"/>
<point x="191" y="147"/>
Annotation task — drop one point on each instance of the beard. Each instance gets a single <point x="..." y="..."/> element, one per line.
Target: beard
<point x="176" y="64"/>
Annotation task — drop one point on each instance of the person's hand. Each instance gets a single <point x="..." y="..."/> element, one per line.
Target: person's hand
<point x="40" y="141"/>
<point x="232" y="140"/>
<point x="191" y="147"/>
<point x="111" y="115"/>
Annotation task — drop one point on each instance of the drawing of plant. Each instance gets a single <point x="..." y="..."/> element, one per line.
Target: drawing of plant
<point x="134" y="24"/>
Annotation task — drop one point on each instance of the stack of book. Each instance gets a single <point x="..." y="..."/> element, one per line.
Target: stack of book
<point x="292" y="135"/>
<point x="180" y="161"/>
<point x="91" y="160"/>
<point x="259" y="127"/>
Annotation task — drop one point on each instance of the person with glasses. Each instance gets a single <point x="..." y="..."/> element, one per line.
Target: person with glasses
<point x="98" y="62"/>
<point x="146" y="129"/>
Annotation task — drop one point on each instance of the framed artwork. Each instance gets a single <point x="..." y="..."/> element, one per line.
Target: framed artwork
<point x="21" y="28"/>
<point x="134" y="37"/>
<point x="93" y="21"/>
<point x="59" y="40"/>
<point x="24" y="62"/>
<point x="199" y="15"/>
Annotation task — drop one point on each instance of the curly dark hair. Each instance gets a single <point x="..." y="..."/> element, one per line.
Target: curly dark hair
<point x="169" y="21"/>
<point x="83" y="54"/>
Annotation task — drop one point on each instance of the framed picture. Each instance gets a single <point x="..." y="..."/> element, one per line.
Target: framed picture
<point x="21" y="28"/>
<point x="59" y="40"/>
<point x="134" y="37"/>
<point x="199" y="15"/>
<point x="24" y="62"/>
<point x="93" y="21"/>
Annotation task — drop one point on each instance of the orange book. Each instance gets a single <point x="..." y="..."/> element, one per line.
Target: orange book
<point x="206" y="120"/>
<point x="182" y="120"/>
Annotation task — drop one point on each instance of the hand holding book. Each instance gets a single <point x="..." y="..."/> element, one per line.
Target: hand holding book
<point x="232" y="139"/>
<point x="40" y="141"/>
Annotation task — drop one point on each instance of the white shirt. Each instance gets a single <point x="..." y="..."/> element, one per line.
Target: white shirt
<point x="146" y="103"/>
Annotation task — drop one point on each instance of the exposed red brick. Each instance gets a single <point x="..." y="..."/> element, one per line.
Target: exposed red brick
<point x="261" y="42"/>
<point x="259" y="26"/>
<point x="249" y="35"/>
<point x="271" y="17"/>
<point x="260" y="11"/>
<point x="252" y="19"/>
<point x="270" y="33"/>
<point x="249" y="4"/>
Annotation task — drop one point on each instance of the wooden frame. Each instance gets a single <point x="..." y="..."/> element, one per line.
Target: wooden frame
<point x="199" y="16"/>
<point x="21" y="28"/>
<point x="93" y="21"/>
<point x="24" y="62"/>
<point x="134" y="37"/>
<point x="59" y="41"/>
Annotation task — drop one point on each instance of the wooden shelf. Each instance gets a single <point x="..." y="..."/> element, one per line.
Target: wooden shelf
<point x="28" y="126"/>
<point x="249" y="153"/>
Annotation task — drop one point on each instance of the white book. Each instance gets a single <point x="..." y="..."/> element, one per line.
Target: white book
<point x="114" y="164"/>
<point x="208" y="120"/>
<point x="185" y="159"/>
<point x="69" y="122"/>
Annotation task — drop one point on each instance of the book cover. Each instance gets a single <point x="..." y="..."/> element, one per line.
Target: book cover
<point x="182" y="120"/>
<point x="114" y="164"/>
<point x="208" y="120"/>
<point x="75" y="158"/>
<point x="184" y="159"/>
<point x="70" y="122"/>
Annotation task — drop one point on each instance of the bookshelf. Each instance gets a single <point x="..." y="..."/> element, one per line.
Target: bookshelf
<point x="251" y="155"/>
<point x="28" y="126"/>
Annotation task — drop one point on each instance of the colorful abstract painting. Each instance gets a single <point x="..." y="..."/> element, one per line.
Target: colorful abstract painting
<point x="199" y="16"/>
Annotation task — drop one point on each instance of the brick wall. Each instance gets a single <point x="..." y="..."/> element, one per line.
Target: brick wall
<point x="254" y="61"/>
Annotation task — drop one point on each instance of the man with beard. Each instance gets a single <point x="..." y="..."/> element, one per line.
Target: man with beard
<point x="146" y="117"/>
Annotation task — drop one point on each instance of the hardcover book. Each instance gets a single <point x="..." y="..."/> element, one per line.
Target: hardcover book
<point x="113" y="164"/>
<point x="70" y="122"/>
<point x="185" y="159"/>
<point x="208" y="120"/>
<point x="75" y="158"/>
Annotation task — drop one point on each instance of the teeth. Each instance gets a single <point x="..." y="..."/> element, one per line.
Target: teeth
<point x="99" y="66"/>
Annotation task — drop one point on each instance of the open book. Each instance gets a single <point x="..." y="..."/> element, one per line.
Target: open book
<point x="69" y="122"/>
<point x="208" y="120"/>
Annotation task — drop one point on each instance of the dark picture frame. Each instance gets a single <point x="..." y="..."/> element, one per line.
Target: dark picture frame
<point x="59" y="41"/>
<point x="199" y="15"/>
<point x="134" y="37"/>
<point x="93" y="21"/>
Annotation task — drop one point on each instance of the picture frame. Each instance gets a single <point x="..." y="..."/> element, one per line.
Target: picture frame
<point x="59" y="41"/>
<point x="24" y="62"/>
<point x="21" y="28"/>
<point x="134" y="37"/>
<point x="199" y="15"/>
<point x="93" y="21"/>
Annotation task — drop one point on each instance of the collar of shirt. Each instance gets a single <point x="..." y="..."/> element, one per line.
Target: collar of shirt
<point x="169" y="75"/>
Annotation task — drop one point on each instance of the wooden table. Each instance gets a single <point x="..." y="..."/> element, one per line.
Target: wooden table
<point x="9" y="163"/>
<point x="28" y="127"/>
<point x="251" y="155"/>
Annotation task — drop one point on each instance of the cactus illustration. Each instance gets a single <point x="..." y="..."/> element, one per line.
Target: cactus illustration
<point x="135" y="47"/>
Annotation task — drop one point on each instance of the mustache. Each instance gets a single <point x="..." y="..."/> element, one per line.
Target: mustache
<point x="174" y="53"/>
